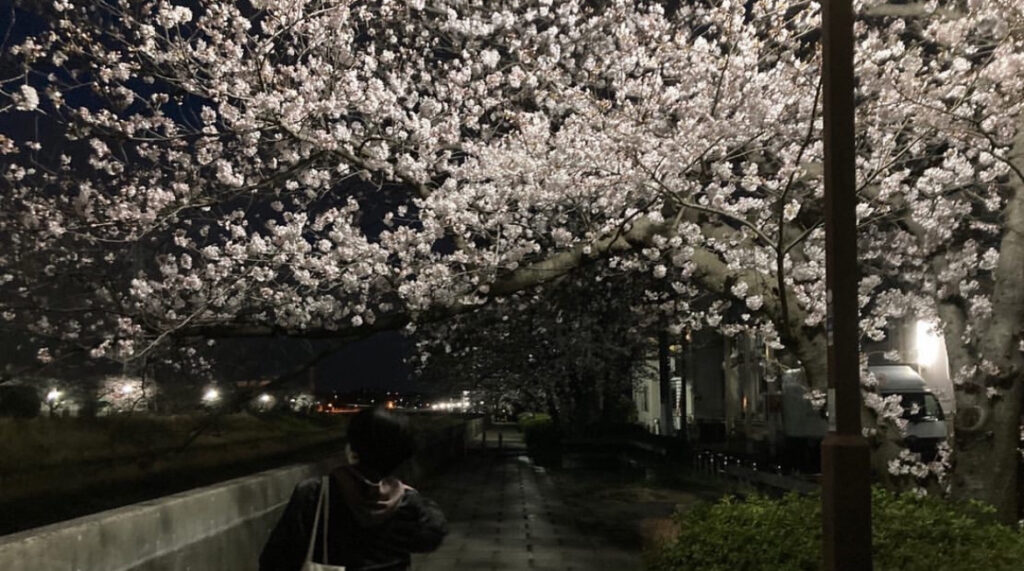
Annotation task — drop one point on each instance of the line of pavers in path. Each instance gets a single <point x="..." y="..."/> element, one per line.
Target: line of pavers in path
<point x="504" y="513"/>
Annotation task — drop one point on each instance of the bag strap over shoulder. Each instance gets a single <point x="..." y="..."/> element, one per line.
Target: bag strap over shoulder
<point x="320" y="506"/>
<point x="325" y="484"/>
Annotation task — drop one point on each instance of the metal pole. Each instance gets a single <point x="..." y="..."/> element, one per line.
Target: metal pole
<point x="845" y="459"/>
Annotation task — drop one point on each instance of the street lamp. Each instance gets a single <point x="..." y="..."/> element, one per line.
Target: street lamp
<point x="845" y="457"/>
<point x="53" y="400"/>
<point x="927" y="344"/>
<point x="211" y="396"/>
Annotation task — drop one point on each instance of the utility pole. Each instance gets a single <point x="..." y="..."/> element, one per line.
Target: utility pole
<point x="845" y="458"/>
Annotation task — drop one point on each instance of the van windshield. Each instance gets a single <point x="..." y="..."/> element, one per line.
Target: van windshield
<point x="921" y="406"/>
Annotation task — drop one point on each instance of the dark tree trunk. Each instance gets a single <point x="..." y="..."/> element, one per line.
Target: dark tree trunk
<point x="989" y="398"/>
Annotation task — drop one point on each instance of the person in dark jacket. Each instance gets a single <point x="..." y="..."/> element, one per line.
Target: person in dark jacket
<point x="375" y="520"/>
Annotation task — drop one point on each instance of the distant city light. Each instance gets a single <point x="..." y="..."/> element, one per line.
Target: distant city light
<point x="211" y="395"/>
<point x="265" y="398"/>
<point x="461" y="404"/>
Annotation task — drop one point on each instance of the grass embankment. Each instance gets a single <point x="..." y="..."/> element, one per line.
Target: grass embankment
<point x="56" y="468"/>
<point x="39" y="443"/>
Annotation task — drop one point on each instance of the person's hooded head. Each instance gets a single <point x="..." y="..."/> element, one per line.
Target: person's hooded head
<point x="381" y="441"/>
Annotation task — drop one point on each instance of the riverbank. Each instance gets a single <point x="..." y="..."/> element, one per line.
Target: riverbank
<point x="54" y="469"/>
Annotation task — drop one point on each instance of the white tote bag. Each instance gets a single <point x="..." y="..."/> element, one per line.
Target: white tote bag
<point x="323" y="505"/>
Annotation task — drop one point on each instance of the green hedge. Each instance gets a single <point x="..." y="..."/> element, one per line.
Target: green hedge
<point x="543" y="439"/>
<point x="909" y="534"/>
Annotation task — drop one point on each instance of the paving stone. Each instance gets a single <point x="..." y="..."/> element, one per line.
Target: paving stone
<point x="435" y="563"/>
<point x="505" y="514"/>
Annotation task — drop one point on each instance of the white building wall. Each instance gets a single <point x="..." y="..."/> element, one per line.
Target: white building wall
<point x="647" y="397"/>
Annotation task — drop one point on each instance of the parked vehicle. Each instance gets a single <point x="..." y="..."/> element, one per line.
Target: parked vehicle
<point x="804" y="424"/>
<point x="733" y="395"/>
<point x="927" y="422"/>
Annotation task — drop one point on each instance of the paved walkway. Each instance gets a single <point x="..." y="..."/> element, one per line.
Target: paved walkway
<point x="504" y="513"/>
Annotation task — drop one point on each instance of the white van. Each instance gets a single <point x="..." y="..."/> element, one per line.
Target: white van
<point x="803" y="426"/>
<point x="927" y="423"/>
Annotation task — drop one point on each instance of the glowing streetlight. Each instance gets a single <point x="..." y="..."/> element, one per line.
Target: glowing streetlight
<point x="53" y="396"/>
<point x="927" y="341"/>
<point x="211" y="396"/>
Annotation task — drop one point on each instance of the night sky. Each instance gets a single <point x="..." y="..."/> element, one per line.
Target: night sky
<point x="373" y="363"/>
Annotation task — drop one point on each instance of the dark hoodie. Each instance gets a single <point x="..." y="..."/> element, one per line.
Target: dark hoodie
<point x="373" y="526"/>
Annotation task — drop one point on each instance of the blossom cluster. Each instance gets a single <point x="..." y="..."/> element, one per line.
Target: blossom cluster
<point x="313" y="166"/>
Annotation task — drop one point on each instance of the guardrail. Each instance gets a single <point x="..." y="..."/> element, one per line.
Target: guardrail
<point x="770" y="478"/>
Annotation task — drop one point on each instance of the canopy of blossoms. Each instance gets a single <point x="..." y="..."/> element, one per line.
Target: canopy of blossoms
<point x="327" y="167"/>
<point x="315" y="166"/>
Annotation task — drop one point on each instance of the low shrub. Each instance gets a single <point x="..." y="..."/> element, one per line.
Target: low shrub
<point x="543" y="439"/>
<point x="910" y="533"/>
<point x="929" y="533"/>
<point x="19" y="401"/>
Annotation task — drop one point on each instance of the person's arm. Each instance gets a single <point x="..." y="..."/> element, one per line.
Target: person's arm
<point x="421" y="527"/>
<point x="286" y="548"/>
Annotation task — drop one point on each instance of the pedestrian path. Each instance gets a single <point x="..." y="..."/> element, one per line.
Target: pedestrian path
<point x="500" y="438"/>
<point x="504" y="513"/>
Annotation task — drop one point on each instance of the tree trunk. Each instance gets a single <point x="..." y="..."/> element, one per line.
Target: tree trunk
<point x="988" y="425"/>
<point x="553" y="409"/>
<point x="987" y="429"/>
<point x="987" y="434"/>
<point x="810" y="348"/>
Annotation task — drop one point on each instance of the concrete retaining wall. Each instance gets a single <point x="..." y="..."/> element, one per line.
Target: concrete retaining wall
<point x="217" y="528"/>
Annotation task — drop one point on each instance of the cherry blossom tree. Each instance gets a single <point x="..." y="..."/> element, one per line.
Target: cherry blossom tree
<point x="325" y="168"/>
<point x="567" y="349"/>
